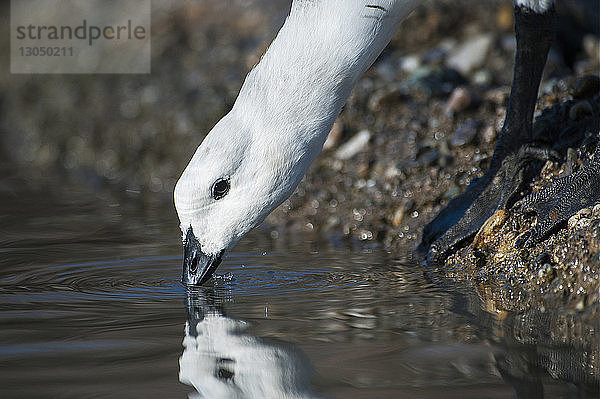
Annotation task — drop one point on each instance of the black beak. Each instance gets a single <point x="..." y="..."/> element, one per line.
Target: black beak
<point x="197" y="266"/>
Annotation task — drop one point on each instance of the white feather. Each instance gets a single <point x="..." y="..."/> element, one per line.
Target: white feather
<point x="281" y="118"/>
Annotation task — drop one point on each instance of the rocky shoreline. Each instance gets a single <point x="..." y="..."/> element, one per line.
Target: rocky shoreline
<point x="394" y="203"/>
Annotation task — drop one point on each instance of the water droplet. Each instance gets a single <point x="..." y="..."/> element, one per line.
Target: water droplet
<point x="227" y="276"/>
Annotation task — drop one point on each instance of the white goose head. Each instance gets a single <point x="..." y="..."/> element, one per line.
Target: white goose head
<point x="233" y="181"/>
<point x="254" y="158"/>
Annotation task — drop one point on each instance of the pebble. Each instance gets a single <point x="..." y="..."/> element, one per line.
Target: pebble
<point x="353" y="146"/>
<point x="459" y="100"/>
<point x="572" y="222"/>
<point x="482" y="77"/>
<point x="491" y="226"/>
<point x="505" y="17"/>
<point x="435" y="81"/>
<point x="464" y="134"/>
<point x="452" y="192"/>
<point x="334" y="136"/>
<point x="384" y="96"/>
<point x="546" y="273"/>
<point x="489" y="134"/>
<point x="410" y="63"/>
<point x="398" y="217"/>
<point x="582" y="218"/>
<point x="591" y="45"/>
<point x="580" y="109"/>
<point x="471" y="54"/>
<point x="584" y="223"/>
<point x="400" y="211"/>
<point x="428" y="158"/>
<point x="497" y="96"/>
<point x="443" y="148"/>
<point x="585" y="212"/>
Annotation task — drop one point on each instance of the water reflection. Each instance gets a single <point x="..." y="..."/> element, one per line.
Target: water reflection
<point x="222" y="360"/>
<point x="386" y="351"/>
<point x="540" y="347"/>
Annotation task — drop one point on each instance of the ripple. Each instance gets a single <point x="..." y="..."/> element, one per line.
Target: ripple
<point x="314" y="274"/>
<point x="134" y="278"/>
<point x="260" y="280"/>
<point x="244" y="274"/>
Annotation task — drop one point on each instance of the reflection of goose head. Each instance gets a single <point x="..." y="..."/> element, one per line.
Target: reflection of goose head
<point x="221" y="360"/>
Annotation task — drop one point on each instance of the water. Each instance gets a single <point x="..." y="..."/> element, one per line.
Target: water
<point x="91" y="306"/>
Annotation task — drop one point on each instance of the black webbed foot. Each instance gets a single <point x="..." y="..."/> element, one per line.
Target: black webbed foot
<point x="499" y="188"/>
<point x="512" y="165"/>
<point x="556" y="203"/>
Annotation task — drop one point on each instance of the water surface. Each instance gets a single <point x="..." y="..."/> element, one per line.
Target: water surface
<point x="91" y="306"/>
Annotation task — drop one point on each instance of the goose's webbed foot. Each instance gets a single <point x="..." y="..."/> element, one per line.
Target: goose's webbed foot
<point x="499" y="188"/>
<point x="562" y="199"/>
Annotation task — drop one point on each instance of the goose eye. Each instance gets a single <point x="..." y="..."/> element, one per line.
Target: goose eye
<point x="220" y="188"/>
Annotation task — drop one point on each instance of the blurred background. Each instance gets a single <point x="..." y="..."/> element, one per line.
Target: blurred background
<point x="137" y="132"/>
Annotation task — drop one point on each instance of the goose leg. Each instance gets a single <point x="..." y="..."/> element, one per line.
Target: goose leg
<point x="511" y="165"/>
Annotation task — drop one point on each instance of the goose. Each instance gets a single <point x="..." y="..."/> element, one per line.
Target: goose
<point x="255" y="156"/>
